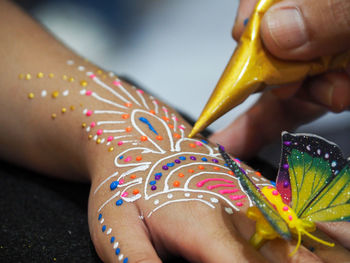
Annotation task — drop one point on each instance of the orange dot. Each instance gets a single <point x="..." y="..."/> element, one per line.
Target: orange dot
<point x="152" y="112"/>
<point x="143" y="138"/>
<point x="258" y="173"/>
<point x="181" y="175"/>
<point x="165" y="118"/>
<point x="133" y="176"/>
<point x="192" y="145"/>
<point x="201" y="167"/>
<point x="136" y="191"/>
<point x="230" y="172"/>
<point x="128" y="129"/>
<point x="128" y="104"/>
<point x="159" y="138"/>
<point x="176" y="135"/>
<point x="216" y="168"/>
<point x="138" y="158"/>
<point x="170" y="126"/>
<point x="125" y="116"/>
<point x="190" y="170"/>
<point x="176" y="183"/>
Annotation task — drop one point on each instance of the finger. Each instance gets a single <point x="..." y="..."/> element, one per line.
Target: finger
<point x="277" y="250"/>
<point x="245" y="9"/>
<point x="339" y="231"/>
<point x="331" y="90"/>
<point x="119" y="235"/>
<point x="264" y="122"/>
<point x="210" y="235"/>
<point x="336" y="254"/>
<point x="299" y="29"/>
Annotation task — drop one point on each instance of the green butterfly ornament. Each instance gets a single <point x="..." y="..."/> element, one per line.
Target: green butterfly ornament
<point x="313" y="185"/>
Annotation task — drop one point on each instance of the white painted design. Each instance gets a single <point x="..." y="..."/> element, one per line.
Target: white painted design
<point x="43" y="93"/>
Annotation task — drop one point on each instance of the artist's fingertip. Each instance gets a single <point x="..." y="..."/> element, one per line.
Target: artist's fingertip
<point x="321" y="92"/>
<point x="332" y="91"/>
<point x="341" y="98"/>
<point x="283" y="29"/>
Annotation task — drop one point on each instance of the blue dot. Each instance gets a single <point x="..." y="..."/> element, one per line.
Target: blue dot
<point x="99" y="217"/>
<point x="119" y="202"/>
<point x="204" y="141"/>
<point x="170" y="164"/>
<point x="226" y="164"/>
<point x="125" y="260"/>
<point x="273" y="183"/>
<point x="245" y="21"/>
<point x="204" y="159"/>
<point x="112" y="239"/>
<point x="117" y="251"/>
<point x="121" y="157"/>
<point x="152" y="182"/>
<point x="104" y="228"/>
<point x="159" y="174"/>
<point x="114" y="185"/>
<point x="182" y="158"/>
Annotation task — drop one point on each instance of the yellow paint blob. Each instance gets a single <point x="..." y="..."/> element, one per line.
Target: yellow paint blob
<point x="83" y="83"/>
<point x="55" y="94"/>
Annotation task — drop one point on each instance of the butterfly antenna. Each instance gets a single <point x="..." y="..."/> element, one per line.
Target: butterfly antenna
<point x="297" y="246"/>
<point x="318" y="239"/>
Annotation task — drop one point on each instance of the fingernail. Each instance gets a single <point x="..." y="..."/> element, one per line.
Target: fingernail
<point x="321" y="91"/>
<point x="287" y="27"/>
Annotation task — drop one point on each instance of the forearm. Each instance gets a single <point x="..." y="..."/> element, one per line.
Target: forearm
<point x="44" y="105"/>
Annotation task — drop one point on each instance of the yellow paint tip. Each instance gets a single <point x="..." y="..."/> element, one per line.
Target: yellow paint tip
<point x="199" y="126"/>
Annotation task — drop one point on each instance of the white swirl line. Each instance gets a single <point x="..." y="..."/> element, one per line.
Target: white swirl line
<point x="103" y="85"/>
<point x="96" y="96"/>
<point x="180" y="200"/>
<point x="104" y="181"/>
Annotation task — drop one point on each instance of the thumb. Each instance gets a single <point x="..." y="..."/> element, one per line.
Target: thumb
<point x="305" y="29"/>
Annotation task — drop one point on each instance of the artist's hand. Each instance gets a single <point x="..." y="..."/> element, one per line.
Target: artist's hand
<point x="293" y="30"/>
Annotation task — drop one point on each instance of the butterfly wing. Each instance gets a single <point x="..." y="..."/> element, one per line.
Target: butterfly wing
<point x="333" y="202"/>
<point x="258" y="198"/>
<point x="308" y="163"/>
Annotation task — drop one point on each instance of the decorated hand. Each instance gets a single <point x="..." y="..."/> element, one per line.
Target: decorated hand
<point x="293" y="30"/>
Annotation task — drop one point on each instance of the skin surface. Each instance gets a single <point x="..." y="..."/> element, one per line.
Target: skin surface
<point x="293" y="30"/>
<point x="52" y="129"/>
